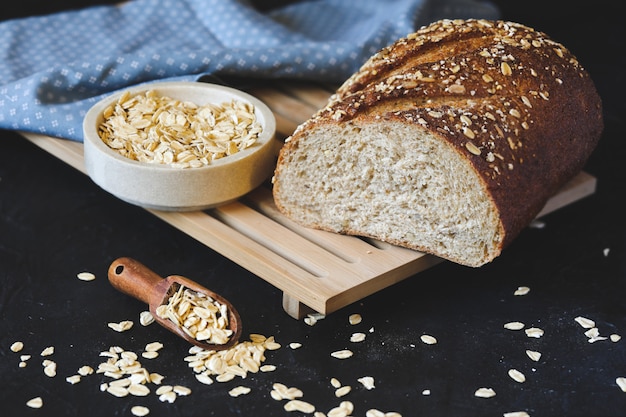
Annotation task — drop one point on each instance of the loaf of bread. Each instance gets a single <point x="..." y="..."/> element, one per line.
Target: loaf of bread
<point x="449" y="141"/>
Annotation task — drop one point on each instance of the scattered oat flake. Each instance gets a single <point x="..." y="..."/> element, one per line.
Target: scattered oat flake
<point x="345" y="408"/>
<point x="36" y="402"/>
<point x="156" y="378"/>
<point x="534" y="332"/>
<point x="585" y="322"/>
<point x="73" y="379"/>
<point x="594" y="335"/>
<point x="146" y="318"/>
<point x="342" y="354"/>
<point x="138" y="390"/>
<point x="355" y="319"/>
<point x="140" y="410"/>
<point x="428" y="339"/>
<point x="122" y="326"/>
<point x="295" y="345"/>
<point x="517" y="375"/>
<point x="17" y="346"/>
<point x="373" y="412"/>
<point x="342" y="391"/>
<point x="485" y="393"/>
<point x="85" y="370"/>
<point x="86" y="276"/>
<point x="514" y="325"/>
<point x="299" y="405"/>
<point x="225" y="377"/>
<point x="516" y="414"/>
<point x="367" y="382"/>
<point x="237" y="391"/>
<point x="204" y="379"/>
<point x="621" y="382"/>
<point x="596" y="339"/>
<point x="117" y="391"/>
<point x="606" y="251"/>
<point x="182" y="390"/>
<point x="534" y="355"/>
<point x="615" y="337"/>
<point x="150" y="354"/>
<point x="170" y="397"/>
<point x="521" y="291"/>
<point x="47" y="351"/>
<point x="426" y="392"/>
<point x="267" y="368"/>
<point x="154" y="346"/>
<point x="357" y="337"/>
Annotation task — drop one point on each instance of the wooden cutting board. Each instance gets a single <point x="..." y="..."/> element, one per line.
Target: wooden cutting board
<point x="316" y="271"/>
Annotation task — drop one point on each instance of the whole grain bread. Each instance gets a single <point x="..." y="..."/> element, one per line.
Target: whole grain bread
<point x="449" y="141"/>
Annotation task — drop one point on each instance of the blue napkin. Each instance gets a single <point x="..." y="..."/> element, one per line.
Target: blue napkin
<point x="55" y="67"/>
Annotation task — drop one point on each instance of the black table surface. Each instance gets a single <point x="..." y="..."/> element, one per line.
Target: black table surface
<point x="55" y="222"/>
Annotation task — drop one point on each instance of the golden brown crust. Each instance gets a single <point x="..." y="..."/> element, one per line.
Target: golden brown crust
<point x="517" y="104"/>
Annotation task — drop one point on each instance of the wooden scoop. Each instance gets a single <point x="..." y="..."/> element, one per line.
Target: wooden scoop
<point x="135" y="279"/>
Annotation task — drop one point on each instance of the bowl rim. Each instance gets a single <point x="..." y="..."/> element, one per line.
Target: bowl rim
<point x="142" y="183"/>
<point x="93" y="116"/>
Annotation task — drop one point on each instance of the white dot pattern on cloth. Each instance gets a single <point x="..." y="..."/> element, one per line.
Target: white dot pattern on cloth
<point x="55" y="67"/>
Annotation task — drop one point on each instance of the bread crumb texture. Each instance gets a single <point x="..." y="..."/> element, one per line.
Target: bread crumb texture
<point x="449" y="141"/>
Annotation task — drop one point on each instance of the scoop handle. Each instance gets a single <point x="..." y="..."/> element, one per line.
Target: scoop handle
<point x="134" y="278"/>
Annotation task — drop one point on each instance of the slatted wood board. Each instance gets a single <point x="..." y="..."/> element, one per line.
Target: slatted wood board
<point x="316" y="271"/>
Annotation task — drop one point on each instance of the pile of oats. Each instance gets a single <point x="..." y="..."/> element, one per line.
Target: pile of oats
<point x="162" y="130"/>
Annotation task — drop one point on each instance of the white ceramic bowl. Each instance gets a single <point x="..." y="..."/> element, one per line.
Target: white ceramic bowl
<point x="162" y="187"/>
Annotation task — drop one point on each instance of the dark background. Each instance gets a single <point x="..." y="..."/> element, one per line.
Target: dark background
<point x="54" y="223"/>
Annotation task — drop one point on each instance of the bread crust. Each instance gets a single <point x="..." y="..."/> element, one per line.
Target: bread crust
<point x="518" y="106"/>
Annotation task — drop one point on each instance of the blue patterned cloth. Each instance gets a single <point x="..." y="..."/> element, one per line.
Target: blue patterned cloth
<point x="55" y="67"/>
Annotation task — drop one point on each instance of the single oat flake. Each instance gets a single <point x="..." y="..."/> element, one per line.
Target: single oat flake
<point x="342" y="354"/>
<point x="517" y="375"/>
<point x="17" y="346"/>
<point x="516" y="414"/>
<point x="585" y="323"/>
<point x="514" y="325"/>
<point x="534" y="355"/>
<point x="239" y="390"/>
<point x="299" y="405"/>
<point x="139" y="410"/>
<point x="36" y="402"/>
<point x="354" y="319"/>
<point x="521" y="291"/>
<point x="485" y="393"/>
<point x="86" y="276"/>
<point x="534" y="332"/>
<point x="367" y="382"/>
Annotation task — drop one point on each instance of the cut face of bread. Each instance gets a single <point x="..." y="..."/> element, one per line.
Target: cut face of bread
<point x="392" y="182"/>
